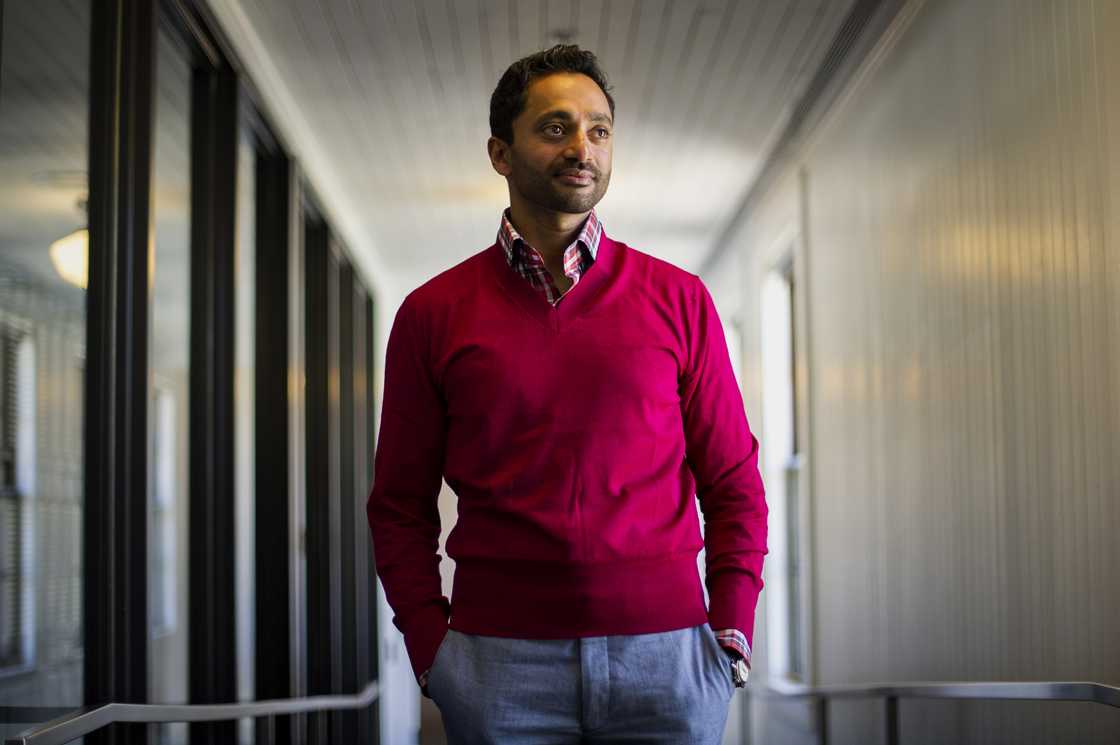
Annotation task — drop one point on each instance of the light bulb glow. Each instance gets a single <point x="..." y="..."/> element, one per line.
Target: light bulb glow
<point x="70" y="256"/>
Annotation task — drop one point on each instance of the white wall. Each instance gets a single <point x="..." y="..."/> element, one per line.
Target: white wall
<point x="962" y="280"/>
<point x="400" y="697"/>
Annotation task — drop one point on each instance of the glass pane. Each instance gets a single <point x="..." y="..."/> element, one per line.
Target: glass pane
<point x="169" y="403"/>
<point x="244" y="431"/>
<point x="44" y="115"/>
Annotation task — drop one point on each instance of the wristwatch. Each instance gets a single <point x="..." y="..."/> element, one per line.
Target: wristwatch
<point x="740" y="670"/>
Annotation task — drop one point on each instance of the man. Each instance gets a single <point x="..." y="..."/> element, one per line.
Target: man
<point x="576" y="394"/>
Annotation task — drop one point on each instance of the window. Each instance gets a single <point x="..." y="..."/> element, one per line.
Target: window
<point x="165" y="499"/>
<point x="169" y="386"/>
<point x="44" y="123"/>
<point x="17" y="488"/>
<point x="782" y="471"/>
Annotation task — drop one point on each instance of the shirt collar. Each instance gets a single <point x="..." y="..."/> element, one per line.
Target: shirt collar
<point x="510" y="239"/>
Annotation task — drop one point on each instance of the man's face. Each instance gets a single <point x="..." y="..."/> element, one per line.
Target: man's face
<point x="560" y="159"/>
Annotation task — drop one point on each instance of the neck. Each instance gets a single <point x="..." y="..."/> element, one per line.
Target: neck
<point x="548" y="231"/>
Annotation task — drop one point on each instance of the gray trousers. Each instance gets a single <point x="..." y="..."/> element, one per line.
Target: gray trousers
<point x="668" y="687"/>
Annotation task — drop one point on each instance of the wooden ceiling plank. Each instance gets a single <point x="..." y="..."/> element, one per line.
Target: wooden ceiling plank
<point x="798" y="31"/>
<point x="705" y="73"/>
<point x="28" y="124"/>
<point x="375" y="100"/>
<point x="529" y="16"/>
<point x="466" y="45"/>
<point x="415" y="85"/>
<point x="710" y="31"/>
<point x="491" y="53"/>
<point x="747" y="61"/>
<point x="476" y="86"/>
<point x="432" y="31"/>
<point x="51" y="69"/>
<point x="586" y="17"/>
<point x="559" y="21"/>
<point x="513" y="29"/>
<point x="611" y="21"/>
<point x="745" y="98"/>
<point x="317" y="25"/>
<point x="667" y="46"/>
<point x="648" y="21"/>
<point x="445" y="37"/>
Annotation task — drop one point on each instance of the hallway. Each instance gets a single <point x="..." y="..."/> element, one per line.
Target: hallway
<point x="212" y="212"/>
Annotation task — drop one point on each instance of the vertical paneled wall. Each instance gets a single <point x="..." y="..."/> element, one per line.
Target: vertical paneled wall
<point x="959" y="231"/>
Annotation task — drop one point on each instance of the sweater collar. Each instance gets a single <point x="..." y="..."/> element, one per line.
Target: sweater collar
<point x="599" y="278"/>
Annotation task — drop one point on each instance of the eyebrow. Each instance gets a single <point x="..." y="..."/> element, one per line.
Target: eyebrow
<point x="562" y="114"/>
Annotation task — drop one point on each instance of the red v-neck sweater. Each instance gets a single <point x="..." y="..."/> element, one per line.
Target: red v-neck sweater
<point x="575" y="436"/>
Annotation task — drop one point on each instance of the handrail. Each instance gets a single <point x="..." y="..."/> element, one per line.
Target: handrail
<point x="1090" y="692"/>
<point x="84" y="721"/>
<point x="1098" y="693"/>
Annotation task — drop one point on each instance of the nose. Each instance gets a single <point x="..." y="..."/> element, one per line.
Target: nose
<point x="579" y="147"/>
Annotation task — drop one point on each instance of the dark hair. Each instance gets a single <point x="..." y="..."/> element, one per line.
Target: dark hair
<point x="508" y="99"/>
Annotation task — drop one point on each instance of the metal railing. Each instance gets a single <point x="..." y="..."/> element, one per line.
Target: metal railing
<point x="891" y="693"/>
<point x="75" y="724"/>
<point x="82" y="722"/>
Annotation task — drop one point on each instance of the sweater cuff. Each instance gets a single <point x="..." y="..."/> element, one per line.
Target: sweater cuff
<point x="733" y="598"/>
<point x="422" y="637"/>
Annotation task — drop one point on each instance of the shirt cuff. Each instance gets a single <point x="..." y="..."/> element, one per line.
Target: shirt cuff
<point x="735" y="641"/>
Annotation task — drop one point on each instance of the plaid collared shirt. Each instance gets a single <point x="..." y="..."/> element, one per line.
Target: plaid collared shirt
<point x="578" y="257"/>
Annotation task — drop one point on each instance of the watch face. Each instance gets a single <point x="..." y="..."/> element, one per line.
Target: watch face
<point x="740" y="672"/>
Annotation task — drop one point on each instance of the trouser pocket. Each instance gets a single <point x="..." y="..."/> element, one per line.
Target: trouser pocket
<point x="435" y="677"/>
<point x="719" y="657"/>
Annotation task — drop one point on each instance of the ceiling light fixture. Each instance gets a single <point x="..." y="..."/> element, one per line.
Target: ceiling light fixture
<point x="70" y="256"/>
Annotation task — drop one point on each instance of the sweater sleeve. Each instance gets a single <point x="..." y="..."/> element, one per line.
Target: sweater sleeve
<point x="723" y="456"/>
<point x="402" y="507"/>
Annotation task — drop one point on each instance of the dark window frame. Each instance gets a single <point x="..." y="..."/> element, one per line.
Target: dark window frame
<point x="115" y="430"/>
<point x="114" y="516"/>
<point x="324" y="608"/>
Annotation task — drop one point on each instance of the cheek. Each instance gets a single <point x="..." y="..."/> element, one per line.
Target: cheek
<point x="537" y="165"/>
<point x="540" y="159"/>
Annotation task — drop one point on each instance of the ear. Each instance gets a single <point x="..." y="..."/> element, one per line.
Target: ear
<point x="499" y="156"/>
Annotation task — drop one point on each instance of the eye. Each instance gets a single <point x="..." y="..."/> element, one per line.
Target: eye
<point x="553" y="129"/>
<point x="603" y="131"/>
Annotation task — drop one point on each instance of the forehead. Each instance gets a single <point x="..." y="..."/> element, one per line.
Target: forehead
<point x="565" y="90"/>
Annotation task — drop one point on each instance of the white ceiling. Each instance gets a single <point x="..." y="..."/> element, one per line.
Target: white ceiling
<point x="386" y="105"/>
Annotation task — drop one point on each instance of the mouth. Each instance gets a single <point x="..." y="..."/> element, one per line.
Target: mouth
<point x="576" y="178"/>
